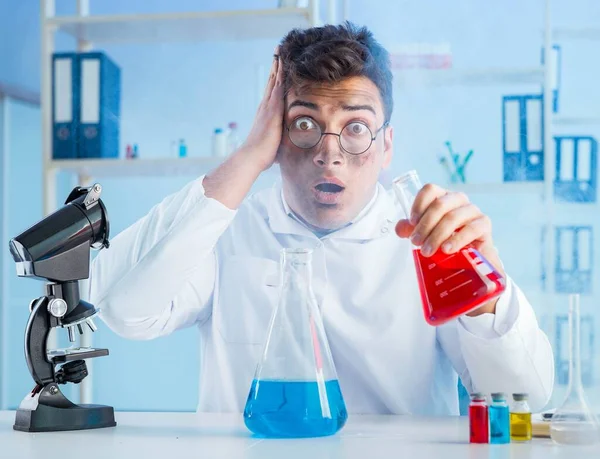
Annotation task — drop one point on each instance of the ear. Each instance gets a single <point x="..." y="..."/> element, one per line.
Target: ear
<point x="388" y="146"/>
<point x="279" y="153"/>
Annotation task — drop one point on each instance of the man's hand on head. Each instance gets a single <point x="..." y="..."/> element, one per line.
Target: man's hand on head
<point x="447" y="221"/>
<point x="264" y="138"/>
<point x="232" y="180"/>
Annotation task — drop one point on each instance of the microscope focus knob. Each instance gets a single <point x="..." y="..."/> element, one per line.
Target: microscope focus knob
<point x="57" y="307"/>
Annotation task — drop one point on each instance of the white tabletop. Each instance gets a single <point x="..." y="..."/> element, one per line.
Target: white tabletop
<point x="188" y="435"/>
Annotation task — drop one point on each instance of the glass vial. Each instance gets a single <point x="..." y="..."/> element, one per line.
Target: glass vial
<point x="573" y="423"/>
<point x="520" y="419"/>
<point x="499" y="419"/>
<point x="478" y="419"/>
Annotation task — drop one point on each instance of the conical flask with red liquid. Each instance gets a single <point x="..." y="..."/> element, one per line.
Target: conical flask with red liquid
<point x="295" y="391"/>
<point x="450" y="284"/>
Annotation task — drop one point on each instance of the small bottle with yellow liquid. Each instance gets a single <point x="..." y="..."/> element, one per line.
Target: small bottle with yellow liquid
<point x="520" y="419"/>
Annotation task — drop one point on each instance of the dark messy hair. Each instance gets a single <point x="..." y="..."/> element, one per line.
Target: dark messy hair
<point x="332" y="53"/>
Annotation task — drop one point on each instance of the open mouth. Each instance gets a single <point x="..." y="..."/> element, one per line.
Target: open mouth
<point x="328" y="193"/>
<point x="329" y="188"/>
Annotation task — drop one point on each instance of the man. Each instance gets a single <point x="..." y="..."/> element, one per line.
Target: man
<point x="214" y="252"/>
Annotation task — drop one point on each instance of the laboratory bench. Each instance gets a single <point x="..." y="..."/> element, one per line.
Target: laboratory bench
<point x="191" y="435"/>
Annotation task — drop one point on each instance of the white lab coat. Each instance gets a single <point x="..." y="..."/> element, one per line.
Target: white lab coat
<point x="193" y="262"/>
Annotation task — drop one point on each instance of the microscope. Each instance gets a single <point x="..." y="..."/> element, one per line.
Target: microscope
<point x="57" y="249"/>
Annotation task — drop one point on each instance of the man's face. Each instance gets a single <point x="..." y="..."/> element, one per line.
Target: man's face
<point x="324" y="184"/>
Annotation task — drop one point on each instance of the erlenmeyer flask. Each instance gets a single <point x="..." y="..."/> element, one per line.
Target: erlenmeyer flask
<point x="573" y="423"/>
<point x="450" y="285"/>
<point x="295" y="392"/>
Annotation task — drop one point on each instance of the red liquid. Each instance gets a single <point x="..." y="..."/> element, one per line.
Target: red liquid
<point x="452" y="285"/>
<point x="478" y="423"/>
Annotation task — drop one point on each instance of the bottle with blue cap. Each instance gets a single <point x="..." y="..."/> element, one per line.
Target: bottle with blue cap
<point x="219" y="144"/>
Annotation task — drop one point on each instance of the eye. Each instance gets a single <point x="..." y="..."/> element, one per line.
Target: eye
<point x="357" y="129"/>
<point x="304" y="124"/>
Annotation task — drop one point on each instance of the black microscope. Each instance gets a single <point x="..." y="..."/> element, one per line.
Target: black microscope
<point x="57" y="249"/>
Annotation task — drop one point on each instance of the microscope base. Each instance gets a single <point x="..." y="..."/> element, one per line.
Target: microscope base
<point x="52" y="419"/>
<point x="49" y="411"/>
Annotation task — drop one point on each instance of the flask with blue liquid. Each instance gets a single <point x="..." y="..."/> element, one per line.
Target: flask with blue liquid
<point x="295" y="391"/>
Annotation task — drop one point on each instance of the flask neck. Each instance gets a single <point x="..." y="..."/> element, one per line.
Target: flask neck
<point x="575" y="385"/>
<point x="406" y="187"/>
<point x="297" y="267"/>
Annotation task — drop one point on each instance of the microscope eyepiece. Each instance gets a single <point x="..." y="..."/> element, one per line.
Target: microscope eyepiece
<point x="57" y="247"/>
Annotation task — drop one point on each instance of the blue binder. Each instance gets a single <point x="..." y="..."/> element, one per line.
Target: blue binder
<point x="65" y="105"/>
<point x="574" y="259"/>
<point x="576" y="169"/>
<point x="561" y="356"/>
<point x="99" y="106"/>
<point x="523" y="137"/>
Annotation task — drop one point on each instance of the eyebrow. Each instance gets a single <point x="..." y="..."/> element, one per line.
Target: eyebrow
<point x="303" y="103"/>
<point x="348" y="108"/>
<point x="355" y="108"/>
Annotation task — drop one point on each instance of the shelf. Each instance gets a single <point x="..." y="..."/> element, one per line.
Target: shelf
<point x="173" y="27"/>
<point x="576" y="33"/>
<point x="472" y="77"/>
<point x="19" y="93"/>
<point x="499" y="188"/>
<point x="161" y="167"/>
<point x="575" y="120"/>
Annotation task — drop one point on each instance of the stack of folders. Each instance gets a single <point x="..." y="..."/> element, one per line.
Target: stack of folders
<point x="86" y="104"/>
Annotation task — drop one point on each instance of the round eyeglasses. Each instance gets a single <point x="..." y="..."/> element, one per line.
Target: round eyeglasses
<point x="355" y="138"/>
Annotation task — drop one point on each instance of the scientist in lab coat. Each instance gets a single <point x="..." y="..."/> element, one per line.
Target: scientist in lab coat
<point x="208" y="255"/>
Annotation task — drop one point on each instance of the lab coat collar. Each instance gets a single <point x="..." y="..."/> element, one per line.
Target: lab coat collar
<point x="378" y="219"/>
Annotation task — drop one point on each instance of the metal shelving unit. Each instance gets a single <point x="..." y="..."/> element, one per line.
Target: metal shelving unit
<point x="192" y="26"/>
<point x="8" y="94"/>
<point x="88" y="29"/>
<point x="147" y="28"/>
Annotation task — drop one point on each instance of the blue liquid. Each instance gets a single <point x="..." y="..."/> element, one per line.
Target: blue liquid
<point x="293" y="409"/>
<point x="499" y="424"/>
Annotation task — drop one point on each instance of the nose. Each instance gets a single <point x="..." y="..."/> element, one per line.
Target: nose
<point x="329" y="152"/>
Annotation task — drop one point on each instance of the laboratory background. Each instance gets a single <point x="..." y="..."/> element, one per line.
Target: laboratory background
<point x="481" y="105"/>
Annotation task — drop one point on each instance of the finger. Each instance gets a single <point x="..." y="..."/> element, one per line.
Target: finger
<point x="404" y="229"/>
<point x="477" y="229"/>
<point x="435" y="211"/>
<point x="278" y="87"/>
<point x="424" y="198"/>
<point x="279" y="79"/>
<point x="450" y="223"/>
<point x="272" y="74"/>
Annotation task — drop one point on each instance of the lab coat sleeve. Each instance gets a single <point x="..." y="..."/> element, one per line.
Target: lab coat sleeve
<point x="158" y="274"/>
<point x="502" y="352"/>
